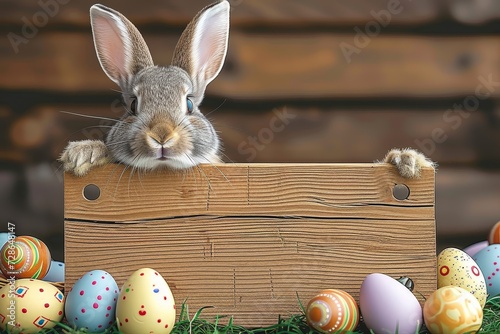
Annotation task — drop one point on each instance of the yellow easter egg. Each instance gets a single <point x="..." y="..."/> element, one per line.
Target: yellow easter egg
<point x="457" y="268"/>
<point x="28" y="306"/>
<point x="145" y="304"/>
<point x="452" y="310"/>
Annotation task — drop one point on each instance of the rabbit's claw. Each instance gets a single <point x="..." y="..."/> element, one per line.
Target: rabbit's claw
<point x="409" y="162"/>
<point x="79" y="157"/>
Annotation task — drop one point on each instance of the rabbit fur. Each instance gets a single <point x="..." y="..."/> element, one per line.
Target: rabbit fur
<point x="162" y="126"/>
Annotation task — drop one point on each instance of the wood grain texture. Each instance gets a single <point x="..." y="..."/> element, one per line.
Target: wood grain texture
<point x="274" y="66"/>
<point x="302" y="190"/>
<point x="243" y="13"/>
<point x="256" y="68"/>
<point x="248" y="242"/>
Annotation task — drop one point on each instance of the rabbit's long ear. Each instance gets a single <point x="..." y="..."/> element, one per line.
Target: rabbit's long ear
<point x="120" y="47"/>
<point x="202" y="47"/>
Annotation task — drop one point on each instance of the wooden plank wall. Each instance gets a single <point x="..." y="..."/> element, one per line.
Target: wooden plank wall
<point x="403" y="85"/>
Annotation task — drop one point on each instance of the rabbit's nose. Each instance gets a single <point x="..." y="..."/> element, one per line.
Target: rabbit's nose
<point x="162" y="135"/>
<point x="160" y="132"/>
<point x="163" y="141"/>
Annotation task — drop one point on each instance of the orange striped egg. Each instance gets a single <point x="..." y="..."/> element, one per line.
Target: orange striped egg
<point x="332" y="311"/>
<point x="25" y="257"/>
<point x="452" y="310"/>
<point x="494" y="236"/>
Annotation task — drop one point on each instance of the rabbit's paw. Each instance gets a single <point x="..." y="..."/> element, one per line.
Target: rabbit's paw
<point x="79" y="157"/>
<point x="409" y="162"/>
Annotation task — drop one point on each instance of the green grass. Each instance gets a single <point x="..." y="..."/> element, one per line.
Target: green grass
<point x="296" y="324"/>
<point x="197" y="325"/>
<point x="491" y="320"/>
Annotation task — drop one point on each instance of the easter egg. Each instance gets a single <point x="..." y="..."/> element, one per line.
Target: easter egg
<point x="145" y="304"/>
<point x="56" y="272"/>
<point x="4" y="237"/>
<point x="475" y="248"/>
<point x="332" y="311"/>
<point x="457" y="268"/>
<point x="387" y="306"/>
<point x="494" y="235"/>
<point x="25" y="257"/>
<point x="91" y="303"/>
<point x="30" y="305"/>
<point x="452" y="310"/>
<point x="488" y="261"/>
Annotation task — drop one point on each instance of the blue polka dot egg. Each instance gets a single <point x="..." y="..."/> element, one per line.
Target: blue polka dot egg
<point x="91" y="303"/>
<point x="488" y="260"/>
<point x="145" y="304"/>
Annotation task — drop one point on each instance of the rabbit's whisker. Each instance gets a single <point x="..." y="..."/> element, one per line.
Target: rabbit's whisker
<point x="218" y="169"/>
<point x="183" y="124"/>
<point x="130" y="178"/>
<point x="139" y="176"/>
<point x="136" y="158"/>
<point x="89" y="116"/>
<point x="59" y="169"/>
<point x="188" y="171"/>
<point x="111" y="174"/>
<point x="200" y="170"/>
<point x="120" y="178"/>
<point x="65" y="140"/>
<point x="130" y="113"/>
<point x="216" y="108"/>
<point x="225" y="126"/>
<point x="227" y="157"/>
<point x="96" y="126"/>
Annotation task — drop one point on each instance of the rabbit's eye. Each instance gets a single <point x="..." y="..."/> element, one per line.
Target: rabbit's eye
<point x="133" y="105"/>
<point x="190" y="105"/>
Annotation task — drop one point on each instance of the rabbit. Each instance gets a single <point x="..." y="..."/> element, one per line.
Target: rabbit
<point x="163" y="126"/>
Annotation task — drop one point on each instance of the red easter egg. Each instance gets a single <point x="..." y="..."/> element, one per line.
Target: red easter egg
<point x="333" y="311"/>
<point x="25" y="257"/>
<point x="494" y="236"/>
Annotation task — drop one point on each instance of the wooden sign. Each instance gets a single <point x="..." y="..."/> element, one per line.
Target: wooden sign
<point x="249" y="238"/>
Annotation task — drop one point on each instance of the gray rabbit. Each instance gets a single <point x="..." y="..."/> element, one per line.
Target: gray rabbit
<point x="162" y="126"/>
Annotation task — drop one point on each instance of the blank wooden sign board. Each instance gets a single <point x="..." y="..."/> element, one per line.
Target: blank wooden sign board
<point x="249" y="238"/>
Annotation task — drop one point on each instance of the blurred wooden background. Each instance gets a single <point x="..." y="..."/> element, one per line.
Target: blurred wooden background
<point x="304" y="81"/>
